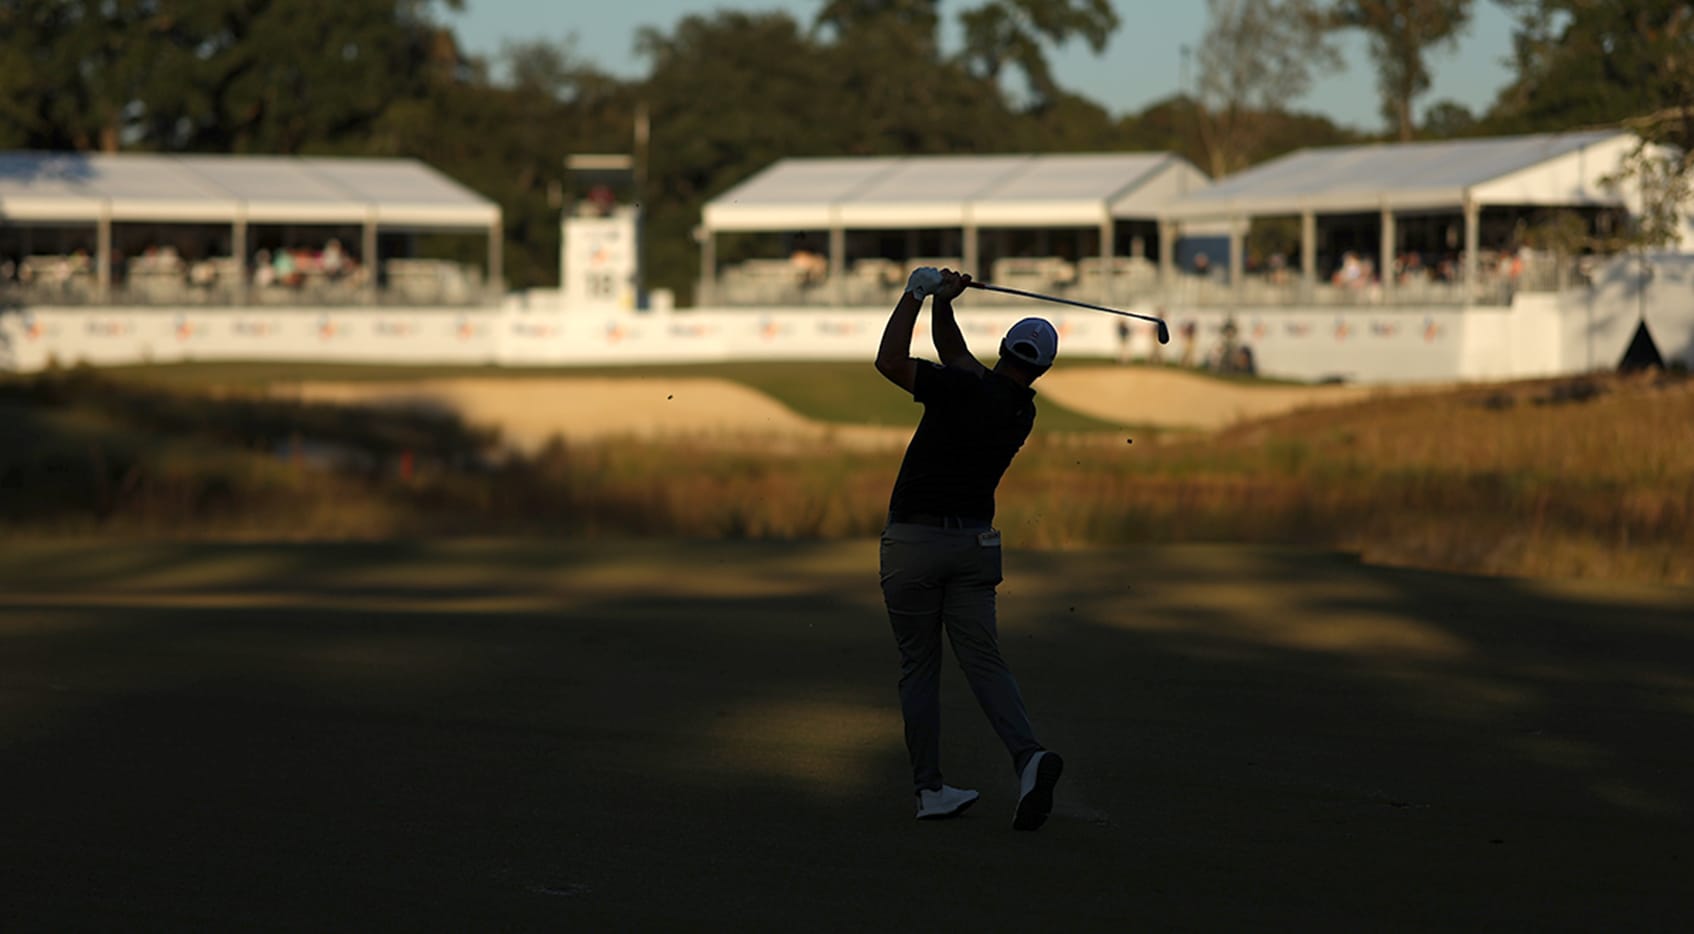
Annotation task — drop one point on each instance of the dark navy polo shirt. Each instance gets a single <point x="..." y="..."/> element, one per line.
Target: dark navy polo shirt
<point x="971" y="428"/>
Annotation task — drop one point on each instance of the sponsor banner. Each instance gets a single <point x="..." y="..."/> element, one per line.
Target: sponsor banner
<point x="1414" y="344"/>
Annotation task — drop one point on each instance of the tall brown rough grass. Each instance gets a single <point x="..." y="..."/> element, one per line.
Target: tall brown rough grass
<point x="1591" y="478"/>
<point x="1585" y="478"/>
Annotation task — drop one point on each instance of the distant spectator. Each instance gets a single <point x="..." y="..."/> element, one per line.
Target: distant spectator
<point x="1412" y="269"/>
<point x="600" y="202"/>
<point x="1232" y="355"/>
<point x="202" y="274"/>
<point x="1202" y="265"/>
<point x="264" y="271"/>
<point x="334" y="260"/>
<point x="60" y="274"/>
<point x="1352" y="273"/>
<point x="809" y="267"/>
<point x="286" y="268"/>
<point x="1243" y="361"/>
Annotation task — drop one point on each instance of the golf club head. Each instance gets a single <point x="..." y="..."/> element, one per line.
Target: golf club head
<point x="1164" y="333"/>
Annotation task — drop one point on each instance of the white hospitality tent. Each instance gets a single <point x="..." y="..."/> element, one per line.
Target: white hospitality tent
<point x="103" y="189"/>
<point x="1394" y="181"/>
<point x="964" y="193"/>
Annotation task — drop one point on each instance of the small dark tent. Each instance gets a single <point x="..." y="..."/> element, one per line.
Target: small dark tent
<point x="1643" y="353"/>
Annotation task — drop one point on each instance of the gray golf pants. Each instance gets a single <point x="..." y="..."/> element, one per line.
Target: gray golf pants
<point x="935" y="579"/>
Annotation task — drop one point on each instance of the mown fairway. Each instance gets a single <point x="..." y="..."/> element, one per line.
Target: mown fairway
<point x="667" y="735"/>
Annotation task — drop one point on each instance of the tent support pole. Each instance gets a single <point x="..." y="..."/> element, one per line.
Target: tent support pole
<point x="373" y="263"/>
<point x="1237" y="259"/>
<point x="238" y="249"/>
<point x="1308" y="254"/>
<point x="1107" y="247"/>
<point x="1385" y="266"/>
<point x="1473" y="237"/>
<point x="103" y="253"/>
<point x="1167" y="255"/>
<point x="837" y="264"/>
<point x="708" y="268"/>
<point x="972" y="249"/>
<point x="496" y="260"/>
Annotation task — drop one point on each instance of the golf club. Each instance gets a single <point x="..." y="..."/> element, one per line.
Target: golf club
<point x="1164" y="332"/>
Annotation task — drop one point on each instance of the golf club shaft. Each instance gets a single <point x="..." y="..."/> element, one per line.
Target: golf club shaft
<point x="1063" y="301"/>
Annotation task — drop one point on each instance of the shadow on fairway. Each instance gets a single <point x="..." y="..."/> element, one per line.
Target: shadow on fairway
<point x="619" y="737"/>
<point x="1340" y="741"/>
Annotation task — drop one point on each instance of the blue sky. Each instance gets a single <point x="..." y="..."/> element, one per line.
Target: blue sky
<point x="1141" y="65"/>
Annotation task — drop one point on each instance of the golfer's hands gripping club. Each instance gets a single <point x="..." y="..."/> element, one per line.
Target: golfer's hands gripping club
<point x="924" y="282"/>
<point x="953" y="284"/>
<point x="942" y="283"/>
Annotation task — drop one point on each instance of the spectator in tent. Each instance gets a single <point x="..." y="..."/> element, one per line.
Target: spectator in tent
<point x="286" y="268"/>
<point x="334" y="261"/>
<point x="264" y="271"/>
<point x="1352" y="273"/>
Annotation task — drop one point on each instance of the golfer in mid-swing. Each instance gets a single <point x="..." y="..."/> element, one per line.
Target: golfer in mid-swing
<point x="940" y="552"/>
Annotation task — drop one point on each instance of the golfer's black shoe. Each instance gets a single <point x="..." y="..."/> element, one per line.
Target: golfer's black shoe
<point x="1035" y="802"/>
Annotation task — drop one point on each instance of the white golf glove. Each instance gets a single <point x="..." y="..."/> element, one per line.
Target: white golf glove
<point x="924" y="282"/>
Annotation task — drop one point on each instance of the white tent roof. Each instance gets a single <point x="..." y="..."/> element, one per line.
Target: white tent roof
<point x="950" y="191"/>
<point x="1545" y="169"/>
<point x="79" y="187"/>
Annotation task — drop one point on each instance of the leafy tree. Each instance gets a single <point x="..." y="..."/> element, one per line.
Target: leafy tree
<point x="277" y="76"/>
<point x="85" y="69"/>
<point x="1286" y="132"/>
<point x="1167" y="125"/>
<point x="1582" y="63"/>
<point x="1256" y="57"/>
<point x="1586" y="64"/>
<point x="910" y="24"/>
<point x="1401" y="34"/>
<point x="1069" y="123"/>
<point x="999" y="35"/>
<point x="1011" y="33"/>
<point x="1447" y="119"/>
<point x="298" y="76"/>
<point x="30" y="65"/>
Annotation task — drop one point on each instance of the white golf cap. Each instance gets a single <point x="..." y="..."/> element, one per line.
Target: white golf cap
<point x="1032" y="340"/>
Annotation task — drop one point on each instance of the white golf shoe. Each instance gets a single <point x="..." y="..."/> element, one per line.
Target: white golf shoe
<point x="1035" y="797"/>
<point x="948" y="802"/>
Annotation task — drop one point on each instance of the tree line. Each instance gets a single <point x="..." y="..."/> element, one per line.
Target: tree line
<point x="728" y="93"/>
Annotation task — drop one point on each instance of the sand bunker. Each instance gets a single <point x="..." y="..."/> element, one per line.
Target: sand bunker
<point x="528" y="411"/>
<point x="1179" y="399"/>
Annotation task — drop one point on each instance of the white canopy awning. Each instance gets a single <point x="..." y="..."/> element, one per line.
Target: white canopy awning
<point x="84" y="187"/>
<point x="1546" y="169"/>
<point x="935" y="191"/>
<point x="952" y="191"/>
